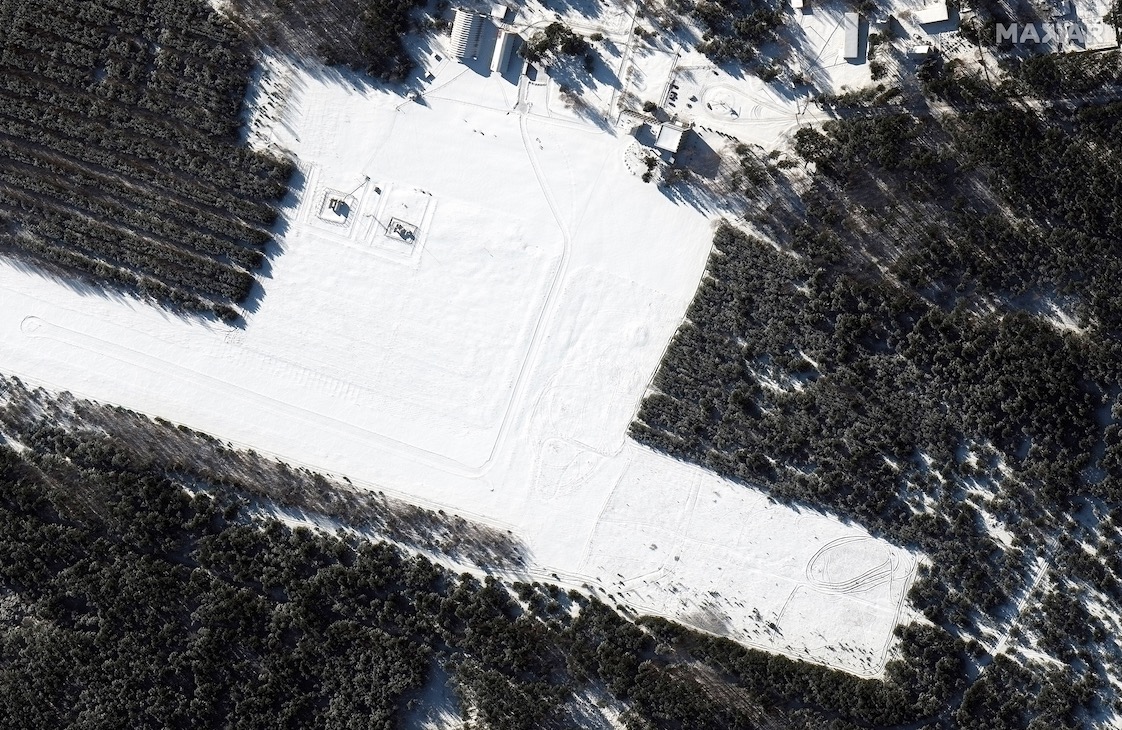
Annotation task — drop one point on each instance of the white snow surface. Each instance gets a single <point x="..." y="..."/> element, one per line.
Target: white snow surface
<point x="489" y="365"/>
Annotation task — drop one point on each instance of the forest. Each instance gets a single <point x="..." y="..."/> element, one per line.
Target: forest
<point x="927" y="340"/>
<point x="364" y="35"/>
<point x="732" y="30"/>
<point x="184" y="587"/>
<point x="119" y="154"/>
<point x="555" y="39"/>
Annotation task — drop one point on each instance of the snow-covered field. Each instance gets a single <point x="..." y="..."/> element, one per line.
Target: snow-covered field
<point x="473" y="328"/>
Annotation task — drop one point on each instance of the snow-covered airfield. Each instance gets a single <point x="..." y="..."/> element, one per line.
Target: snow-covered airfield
<point x="471" y="327"/>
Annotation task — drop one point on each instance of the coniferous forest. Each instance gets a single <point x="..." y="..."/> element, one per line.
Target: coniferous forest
<point x="916" y="327"/>
<point x="119" y="154"/>
<point x="165" y="587"/>
<point x="364" y="35"/>
<point x="927" y="339"/>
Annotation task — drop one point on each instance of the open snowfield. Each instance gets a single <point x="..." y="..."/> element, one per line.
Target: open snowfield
<point x="472" y="328"/>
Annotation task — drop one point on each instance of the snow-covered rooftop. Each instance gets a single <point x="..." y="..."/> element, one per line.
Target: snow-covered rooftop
<point x="934" y="13"/>
<point x="670" y="137"/>
<point x="851" y="26"/>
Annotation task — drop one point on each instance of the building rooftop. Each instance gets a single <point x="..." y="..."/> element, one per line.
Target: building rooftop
<point x="934" y="13"/>
<point x="670" y="137"/>
<point x="465" y="34"/>
<point x="851" y="24"/>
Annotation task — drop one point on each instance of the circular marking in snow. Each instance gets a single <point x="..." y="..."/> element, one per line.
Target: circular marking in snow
<point x="31" y="325"/>
<point x="850" y="564"/>
<point x="563" y="467"/>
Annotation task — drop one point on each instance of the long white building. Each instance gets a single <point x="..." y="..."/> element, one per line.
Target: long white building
<point x="466" y="28"/>
<point x="503" y="45"/>
<point x="851" y="24"/>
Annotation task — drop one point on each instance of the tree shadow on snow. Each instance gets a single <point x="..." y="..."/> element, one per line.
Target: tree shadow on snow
<point x="577" y="77"/>
<point x="273" y="249"/>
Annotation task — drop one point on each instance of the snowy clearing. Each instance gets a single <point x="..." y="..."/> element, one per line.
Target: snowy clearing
<point x="467" y="309"/>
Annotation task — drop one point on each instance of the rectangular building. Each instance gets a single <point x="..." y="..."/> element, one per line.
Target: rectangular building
<point x="465" y="34"/>
<point x="503" y="45"/>
<point x="934" y="13"/>
<point x="851" y="25"/>
<point x="669" y="137"/>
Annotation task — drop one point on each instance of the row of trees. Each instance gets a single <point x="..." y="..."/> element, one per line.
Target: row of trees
<point x="87" y="128"/>
<point x="266" y="483"/>
<point x="172" y="53"/>
<point x="119" y="157"/>
<point x="36" y="177"/>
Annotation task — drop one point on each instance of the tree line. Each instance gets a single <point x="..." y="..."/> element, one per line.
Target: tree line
<point x="148" y="587"/>
<point x="364" y="35"/>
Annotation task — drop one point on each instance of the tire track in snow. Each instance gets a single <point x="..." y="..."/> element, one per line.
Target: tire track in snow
<point x="34" y="326"/>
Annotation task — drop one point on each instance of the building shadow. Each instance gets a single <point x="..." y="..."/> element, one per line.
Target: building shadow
<point x="698" y="156"/>
<point x="949" y="25"/>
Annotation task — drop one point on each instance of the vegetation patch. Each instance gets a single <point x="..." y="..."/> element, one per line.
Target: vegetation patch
<point x="554" y="40"/>
<point x="153" y="588"/>
<point x="119" y="159"/>
<point x="733" y="29"/>
<point x="365" y="35"/>
<point x="933" y="347"/>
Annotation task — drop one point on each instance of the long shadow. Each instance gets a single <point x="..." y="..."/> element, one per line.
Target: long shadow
<point x="604" y="73"/>
<point x="512" y="71"/>
<point x="694" y="193"/>
<point x="85" y="285"/>
<point x="77" y="283"/>
<point x="699" y="157"/>
<point x="578" y="76"/>
<point x="273" y="249"/>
